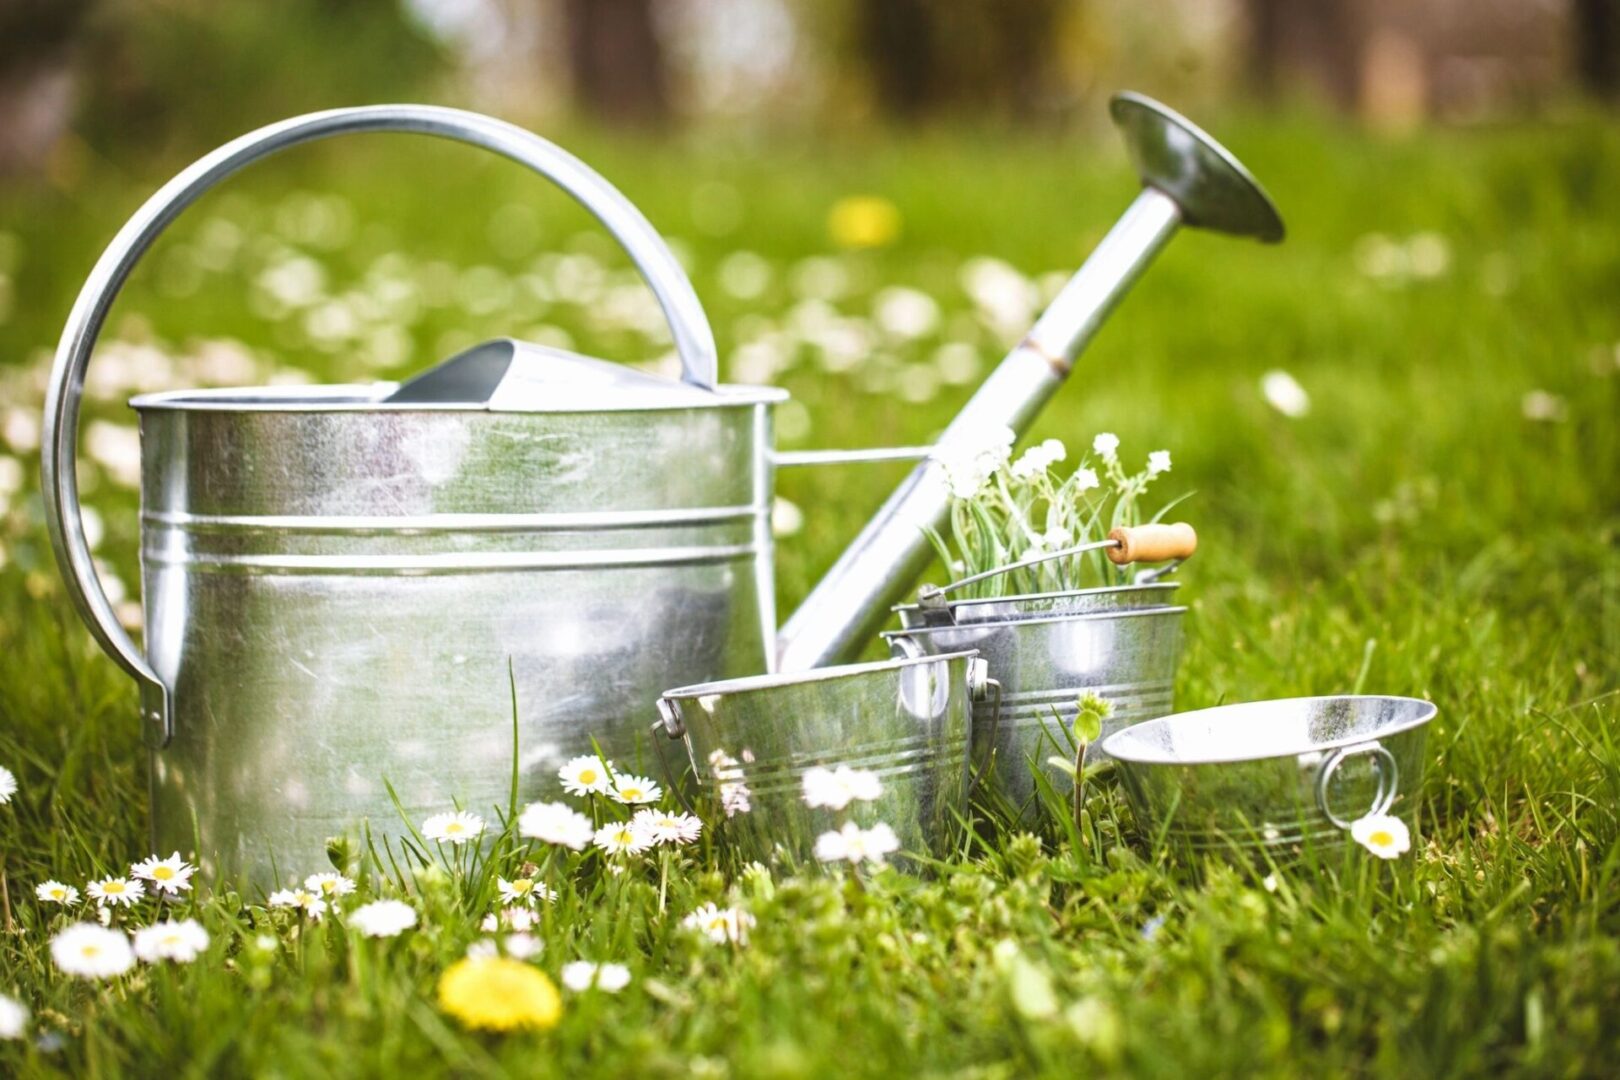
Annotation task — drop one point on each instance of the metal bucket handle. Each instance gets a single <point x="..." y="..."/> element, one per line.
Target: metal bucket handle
<point x="694" y="340"/>
<point x="1384" y="764"/>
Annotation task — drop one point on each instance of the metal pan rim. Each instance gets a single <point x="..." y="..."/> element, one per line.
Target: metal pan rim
<point x="748" y="683"/>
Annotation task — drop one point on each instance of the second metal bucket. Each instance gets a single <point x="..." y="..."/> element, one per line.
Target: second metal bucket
<point x="891" y="739"/>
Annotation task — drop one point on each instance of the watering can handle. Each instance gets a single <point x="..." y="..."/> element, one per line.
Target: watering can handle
<point x="694" y="341"/>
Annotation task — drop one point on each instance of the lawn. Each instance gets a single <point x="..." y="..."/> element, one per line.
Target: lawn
<point x="1444" y="522"/>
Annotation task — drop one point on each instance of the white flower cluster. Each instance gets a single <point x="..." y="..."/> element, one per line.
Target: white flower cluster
<point x="1038" y="459"/>
<point x="582" y="975"/>
<point x="970" y="463"/>
<point x="320" y="893"/>
<point x="100" y="952"/>
<point x="835" y="789"/>
<point x="589" y="775"/>
<point x="720" y="924"/>
<point x="735" y="795"/>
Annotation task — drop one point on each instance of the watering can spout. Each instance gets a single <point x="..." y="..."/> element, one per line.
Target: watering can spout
<point x="1187" y="179"/>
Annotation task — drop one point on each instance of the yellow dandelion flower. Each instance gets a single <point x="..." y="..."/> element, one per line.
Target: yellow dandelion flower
<point x="863" y="221"/>
<point x="496" y="993"/>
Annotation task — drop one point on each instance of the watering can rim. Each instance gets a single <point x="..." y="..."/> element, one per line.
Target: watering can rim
<point x="369" y="398"/>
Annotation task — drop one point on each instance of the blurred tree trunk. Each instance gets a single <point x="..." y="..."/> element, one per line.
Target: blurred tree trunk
<point x="926" y="56"/>
<point x="618" y="60"/>
<point x="1318" y="44"/>
<point x="36" y="78"/>
<point x="1596" y="25"/>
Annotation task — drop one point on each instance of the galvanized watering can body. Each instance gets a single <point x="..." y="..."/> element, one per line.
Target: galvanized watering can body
<point x="338" y="584"/>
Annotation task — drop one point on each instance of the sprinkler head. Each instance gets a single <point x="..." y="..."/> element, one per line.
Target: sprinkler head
<point x="1177" y="157"/>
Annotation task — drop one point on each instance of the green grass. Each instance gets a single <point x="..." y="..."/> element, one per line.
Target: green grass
<point x="1416" y="534"/>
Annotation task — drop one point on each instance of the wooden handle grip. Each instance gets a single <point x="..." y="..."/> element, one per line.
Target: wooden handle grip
<point x="1152" y="543"/>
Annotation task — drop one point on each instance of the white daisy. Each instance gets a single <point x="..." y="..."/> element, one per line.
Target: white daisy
<point x="582" y="975"/>
<point x="837" y="788"/>
<point x="332" y="884"/>
<point x="13" y="1018"/>
<point x="1158" y="462"/>
<point x="1283" y="393"/>
<point x="171" y="875"/>
<point x="586" y="775"/>
<point x="483" y="949"/>
<point x="383" y="918"/>
<point x="519" y="919"/>
<point x="556" y="823"/>
<point x="115" y="891"/>
<point x="92" y="952"/>
<point x="1386" y="837"/>
<point x="665" y="828"/>
<point x="454" y="828"/>
<point x="1106" y="446"/>
<point x="635" y="789"/>
<point x="8" y="785"/>
<point x="854" y="844"/>
<point x="622" y="838"/>
<point x="720" y="924"/>
<point x="303" y="899"/>
<point x="521" y="946"/>
<point x="54" y="892"/>
<point x="524" y="890"/>
<point x="181" y="941"/>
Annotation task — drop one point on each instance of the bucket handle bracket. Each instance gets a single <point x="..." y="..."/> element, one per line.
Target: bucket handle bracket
<point x="1383" y="763"/>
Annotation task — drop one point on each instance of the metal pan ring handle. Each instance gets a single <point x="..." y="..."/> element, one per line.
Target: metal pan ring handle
<point x="1384" y="763"/>
<point x="694" y="340"/>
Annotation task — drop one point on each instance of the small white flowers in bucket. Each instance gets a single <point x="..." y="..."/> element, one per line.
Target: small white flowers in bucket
<point x="454" y="828"/>
<point x="383" y="918"/>
<point x="583" y="975"/>
<point x="1385" y="836"/>
<point x="92" y="952"/>
<point x="856" y="845"/>
<point x="836" y="788"/>
<point x="181" y="942"/>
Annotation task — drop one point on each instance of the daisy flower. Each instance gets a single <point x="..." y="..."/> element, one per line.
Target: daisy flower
<point x="1106" y="446"/>
<point x="837" y="788"/>
<point x="115" y="891"/>
<point x="54" y="892"/>
<point x="519" y="919"/>
<point x="302" y="899"/>
<point x="92" y="952"/>
<point x="586" y="775"/>
<point x="720" y="924"/>
<point x="483" y="947"/>
<point x="635" y="789"/>
<point x="13" y="1018"/>
<point x="181" y="942"/>
<point x="333" y="885"/>
<point x="171" y="875"/>
<point x="666" y="828"/>
<point x="454" y="828"/>
<point x="383" y="918"/>
<point x="556" y="823"/>
<point x="521" y="946"/>
<point x="8" y="785"/>
<point x="497" y="993"/>
<point x="1158" y="462"/>
<point x="1386" y="837"/>
<point x="622" y="838"/>
<point x="854" y="844"/>
<point x="523" y="890"/>
<point x="582" y="975"/>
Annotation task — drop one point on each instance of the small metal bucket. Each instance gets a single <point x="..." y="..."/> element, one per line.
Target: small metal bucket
<point x="750" y="743"/>
<point x="1292" y="772"/>
<point x="1106" y="642"/>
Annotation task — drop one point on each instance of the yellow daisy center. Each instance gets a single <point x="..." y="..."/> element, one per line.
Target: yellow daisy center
<point x="162" y="873"/>
<point x="58" y="894"/>
<point x="630" y="792"/>
<point x="1382" y="838"/>
<point x="455" y="827"/>
<point x="522" y="885"/>
<point x="113" y="887"/>
<point x="90" y="951"/>
<point x="587" y="776"/>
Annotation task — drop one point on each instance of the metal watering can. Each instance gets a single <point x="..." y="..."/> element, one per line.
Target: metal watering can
<point x="338" y="582"/>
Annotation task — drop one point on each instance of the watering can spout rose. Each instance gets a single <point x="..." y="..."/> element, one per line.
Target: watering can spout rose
<point x="349" y="589"/>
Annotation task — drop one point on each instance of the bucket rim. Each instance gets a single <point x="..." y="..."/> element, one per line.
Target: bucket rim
<point x="1426" y="712"/>
<point x="777" y="680"/>
<point x="1080" y="616"/>
<point x="370" y="398"/>
<point x="1099" y="590"/>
